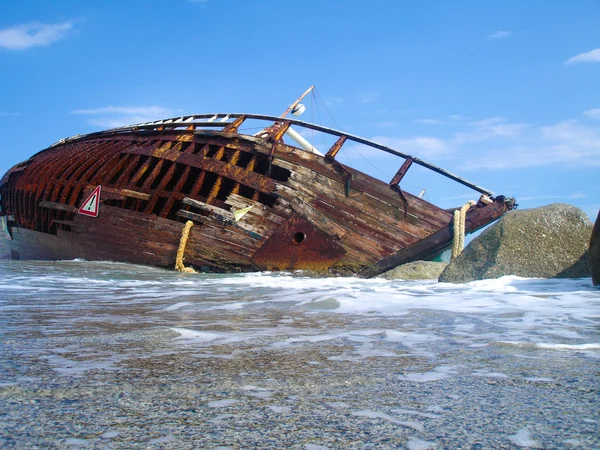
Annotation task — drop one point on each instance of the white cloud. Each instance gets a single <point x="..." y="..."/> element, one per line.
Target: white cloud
<point x="566" y="144"/>
<point x="368" y="97"/>
<point x="331" y="101"/>
<point x="425" y="147"/>
<point x="486" y="129"/>
<point x="20" y="37"/>
<point x="429" y="121"/>
<point x="387" y="124"/>
<point x="117" y="116"/>
<point x="500" y="34"/>
<point x="591" y="56"/>
<point x="4" y="113"/>
<point x="495" y="143"/>
<point x="592" y="113"/>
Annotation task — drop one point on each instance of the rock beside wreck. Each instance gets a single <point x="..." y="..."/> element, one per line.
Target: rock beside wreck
<point x="417" y="270"/>
<point x="547" y="242"/>
<point x="595" y="252"/>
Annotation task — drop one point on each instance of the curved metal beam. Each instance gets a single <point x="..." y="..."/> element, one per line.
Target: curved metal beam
<point x="196" y="120"/>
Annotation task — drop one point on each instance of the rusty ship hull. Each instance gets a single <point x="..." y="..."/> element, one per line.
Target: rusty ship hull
<point x="255" y="202"/>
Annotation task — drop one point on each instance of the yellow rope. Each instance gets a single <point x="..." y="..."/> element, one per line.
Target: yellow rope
<point x="185" y="234"/>
<point x="459" y="228"/>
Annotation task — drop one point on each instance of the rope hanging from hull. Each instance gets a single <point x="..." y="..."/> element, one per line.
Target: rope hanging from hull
<point x="460" y="215"/>
<point x="185" y="234"/>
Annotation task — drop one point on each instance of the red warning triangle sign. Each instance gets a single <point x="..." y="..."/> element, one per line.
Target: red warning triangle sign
<point x="91" y="204"/>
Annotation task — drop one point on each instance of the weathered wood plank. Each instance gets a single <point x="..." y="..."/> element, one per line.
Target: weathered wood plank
<point x="58" y="206"/>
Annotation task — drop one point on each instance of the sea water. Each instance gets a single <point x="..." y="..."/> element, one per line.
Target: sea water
<point x="110" y="355"/>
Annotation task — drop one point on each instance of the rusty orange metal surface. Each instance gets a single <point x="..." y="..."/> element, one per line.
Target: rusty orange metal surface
<point x="298" y="245"/>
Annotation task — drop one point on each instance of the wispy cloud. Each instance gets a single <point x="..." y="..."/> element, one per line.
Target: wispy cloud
<point x="592" y="113"/>
<point x="20" y="37"/>
<point x="332" y="101"/>
<point x="117" y="116"/>
<point x="591" y="56"/>
<point x="4" y="113"/>
<point x="368" y="97"/>
<point x="430" y="121"/>
<point x="500" y="34"/>
<point x="567" y="144"/>
<point x="495" y="143"/>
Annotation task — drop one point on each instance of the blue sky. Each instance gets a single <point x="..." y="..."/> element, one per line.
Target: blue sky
<point x="503" y="93"/>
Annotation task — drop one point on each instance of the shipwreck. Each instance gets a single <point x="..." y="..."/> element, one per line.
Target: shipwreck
<point x="197" y="190"/>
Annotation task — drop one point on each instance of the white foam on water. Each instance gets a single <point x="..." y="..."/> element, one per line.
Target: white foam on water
<point x="419" y="444"/>
<point x="162" y="439"/>
<point x="222" y="403"/>
<point x="439" y="373"/>
<point x="193" y="336"/>
<point x="177" y="306"/>
<point x="109" y="434"/>
<point x="483" y="373"/>
<point x="576" y="347"/>
<point x="339" y="405"/>
<point x="522" y="438"/>
<point x="279" y="409"/>
<point x="416" y="413"/>
<point x="576" y="442"/>
<point x="379" y="415"/>
<point x="315" y="447"/>
<point x="76" y="442"/>
<point x="222" y="417"/>
<point x="552" y="346"/>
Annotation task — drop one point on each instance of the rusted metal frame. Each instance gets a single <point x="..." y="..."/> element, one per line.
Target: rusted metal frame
<point x="152" y="177"/>
<point x="271" y="156"/>
<point x="401" y="172"/>
<point x="205" y="148"/>
<point x="102" y="160"/>
<point x="234" y="159"/>
<point x="105" y="170"/>
<point x="226" y="169"/>
<point x="339" y="168"/>
<point x="160" y="190"/>
<point x="233" y="127"/>
<point x="51" y="187"/>
<point x="65" y="163"/>
<point x="335" y="148"/>
<point x="74" y="177"/>
<point x="176" y="193"/>
<point x="178" y="122"/>
<point x="214" y="190"/>
<point x="114" y="170"/>
<point x="395" y="183"/>
<point x="126" y="174"/>
<point x="198" y="183"/>
<point x="141" y="171"/>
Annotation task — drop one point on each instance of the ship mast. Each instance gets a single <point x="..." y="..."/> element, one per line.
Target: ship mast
<point x="293" y="105"/>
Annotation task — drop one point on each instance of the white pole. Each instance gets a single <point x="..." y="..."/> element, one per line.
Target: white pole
<point x="301" y="141"/>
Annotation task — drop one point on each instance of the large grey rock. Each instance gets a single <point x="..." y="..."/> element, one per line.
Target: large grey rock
<point x="418" y="270"/>
<point x="546" y="242"/>
<point x="595" y="252"/>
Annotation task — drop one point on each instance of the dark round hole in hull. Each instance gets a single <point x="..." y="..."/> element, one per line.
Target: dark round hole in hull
<point x="298" y="237"/>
